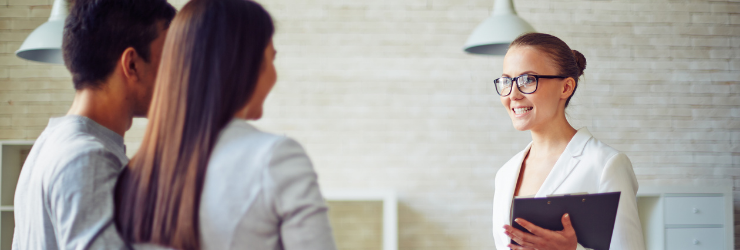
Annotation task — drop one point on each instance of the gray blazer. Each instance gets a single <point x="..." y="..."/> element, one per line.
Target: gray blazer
<point x="261" y="193"/>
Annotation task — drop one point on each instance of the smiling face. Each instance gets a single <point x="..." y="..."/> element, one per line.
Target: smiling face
<point x="536" y="110"/>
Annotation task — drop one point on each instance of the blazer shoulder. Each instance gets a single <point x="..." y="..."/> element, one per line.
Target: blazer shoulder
<point x="598" y="151"/>
<point x="240" y="144"/>
<point x="246" y="134"/>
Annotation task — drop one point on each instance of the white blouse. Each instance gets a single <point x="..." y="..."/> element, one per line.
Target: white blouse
<point x="586" y="165"/>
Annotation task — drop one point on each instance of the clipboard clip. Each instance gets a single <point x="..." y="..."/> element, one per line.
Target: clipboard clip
<point x="556" y="195"/>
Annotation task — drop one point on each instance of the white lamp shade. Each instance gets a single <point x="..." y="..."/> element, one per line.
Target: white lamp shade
<point x="493" y="36"/>
<point x="44" y="44"/>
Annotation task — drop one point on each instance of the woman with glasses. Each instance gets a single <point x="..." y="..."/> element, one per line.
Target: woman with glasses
<point x="203" y="177"/>
<point x="540" y="75"/>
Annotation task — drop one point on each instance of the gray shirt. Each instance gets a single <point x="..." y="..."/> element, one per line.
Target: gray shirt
<point x="64" y="197"/>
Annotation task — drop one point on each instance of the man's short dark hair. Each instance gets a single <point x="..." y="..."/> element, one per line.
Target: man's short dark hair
<point x="97" y="32"/>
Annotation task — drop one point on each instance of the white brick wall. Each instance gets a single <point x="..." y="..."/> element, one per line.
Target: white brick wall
<point x="381" y="95"/>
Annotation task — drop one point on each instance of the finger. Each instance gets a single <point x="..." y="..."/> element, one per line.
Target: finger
<point x="532" y="228"/>
<point x="567" y="225"/>
<point x="511" y="229"/>
<point x="509" y="232"/>
<point x="517" y="239"/>
<point x="516" y="232"/>
<point x="522" y="242"/>
<point x="523" y="238"/>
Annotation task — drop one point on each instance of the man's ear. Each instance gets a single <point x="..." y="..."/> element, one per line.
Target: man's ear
<point x="568" y="88"/>
<point x="129" y="58"/>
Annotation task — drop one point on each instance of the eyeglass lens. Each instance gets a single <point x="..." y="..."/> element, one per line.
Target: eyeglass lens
<point x="527" y="84"/>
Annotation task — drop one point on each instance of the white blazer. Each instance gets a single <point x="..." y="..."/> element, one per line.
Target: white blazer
<point x="586" y="165"/>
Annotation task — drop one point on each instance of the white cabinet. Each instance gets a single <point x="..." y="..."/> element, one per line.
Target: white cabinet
<point x="686" y="217"/>
<point x="694" y="210"/>
<point x="694" y="238"/>
<point x="13" y="155"/>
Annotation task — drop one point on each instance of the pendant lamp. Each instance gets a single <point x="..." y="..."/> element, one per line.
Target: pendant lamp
<point x="44" y="44"/>
<point x="493" y="36"/>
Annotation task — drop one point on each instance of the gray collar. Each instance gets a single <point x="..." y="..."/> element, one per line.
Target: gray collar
<point x="112" y="140"/>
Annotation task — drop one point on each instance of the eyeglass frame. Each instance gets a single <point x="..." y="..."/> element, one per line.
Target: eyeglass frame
<point x="516" y="80"/>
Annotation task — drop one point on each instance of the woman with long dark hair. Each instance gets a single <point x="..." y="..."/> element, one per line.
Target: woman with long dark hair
<point x="203" y="177"/>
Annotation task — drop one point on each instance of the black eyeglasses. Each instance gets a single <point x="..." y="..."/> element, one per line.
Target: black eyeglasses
<point x="527" y="84"/>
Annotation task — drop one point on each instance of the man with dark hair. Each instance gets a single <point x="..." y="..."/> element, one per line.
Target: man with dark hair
<point x="64" y="197"/>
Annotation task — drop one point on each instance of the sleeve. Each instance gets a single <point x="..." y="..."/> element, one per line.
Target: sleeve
<point x="618" y="175"/>
<point x="298" y="201"/>
<point x="80" y="202"/>
<point x="14" y="243"/>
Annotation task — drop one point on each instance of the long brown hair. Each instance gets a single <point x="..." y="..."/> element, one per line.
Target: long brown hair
<point x="570" y="63"/>
<point x="210" y="65"/>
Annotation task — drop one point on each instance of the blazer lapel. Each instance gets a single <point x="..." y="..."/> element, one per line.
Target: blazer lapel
<point x="511" y="178"/>
<point x="566" y="163"/>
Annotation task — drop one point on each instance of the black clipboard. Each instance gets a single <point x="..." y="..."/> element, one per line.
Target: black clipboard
<point x="592" y="215"/>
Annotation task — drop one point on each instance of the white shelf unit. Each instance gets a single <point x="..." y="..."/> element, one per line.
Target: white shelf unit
<point x="686" y="217"/>
<point x="12" y="157"/>
<point x="390" y="209"/>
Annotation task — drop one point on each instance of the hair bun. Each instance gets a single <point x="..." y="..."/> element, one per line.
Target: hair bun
<point x="580" y="61"/>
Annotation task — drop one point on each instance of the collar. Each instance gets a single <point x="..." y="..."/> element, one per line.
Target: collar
<point x="566" y="163"/>
<point x="111" y="140"/>
<point x="578" y="142"/>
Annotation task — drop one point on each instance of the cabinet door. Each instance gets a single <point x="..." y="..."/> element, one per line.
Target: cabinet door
<point x="694" y="210"/>
<point x="694" y="238"/>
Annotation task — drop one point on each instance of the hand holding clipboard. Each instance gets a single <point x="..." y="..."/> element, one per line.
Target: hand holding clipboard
<point x="534" y="237"/>
<point x="592" y="217"/>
